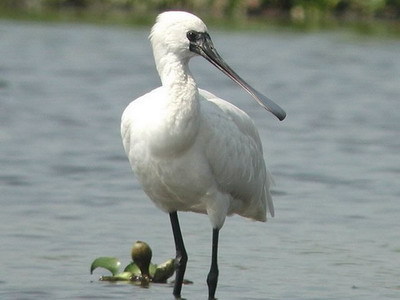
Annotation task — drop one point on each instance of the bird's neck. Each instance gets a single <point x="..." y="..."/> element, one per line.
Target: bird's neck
<point x="176" y="77"/>
<point x="181" y="105"/>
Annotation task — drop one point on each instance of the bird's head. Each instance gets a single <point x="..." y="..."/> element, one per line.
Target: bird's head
<point x="173" y="33"/>
<point x="183" y="36"/>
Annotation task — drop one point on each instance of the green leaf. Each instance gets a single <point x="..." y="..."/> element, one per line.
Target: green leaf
<point x="111" y="264"/>
<point x="152" y="269"/>
<point x="133" y="268"/>
<point x="164" y="271"/>
<point x="124" y="276"/>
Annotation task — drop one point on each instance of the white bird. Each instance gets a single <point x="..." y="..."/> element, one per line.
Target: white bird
<point x="191" y="150"/>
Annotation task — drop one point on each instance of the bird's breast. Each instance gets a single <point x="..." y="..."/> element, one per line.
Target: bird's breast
<point x="162" y="144"/>
<point x="171" y="135"/>
<point x="176" y="182"/>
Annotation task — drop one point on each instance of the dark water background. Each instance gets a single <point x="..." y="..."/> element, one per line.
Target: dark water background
<point x="67" y="194"/>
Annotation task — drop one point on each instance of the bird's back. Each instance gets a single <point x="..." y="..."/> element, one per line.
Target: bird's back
<point x="235" y="154"/>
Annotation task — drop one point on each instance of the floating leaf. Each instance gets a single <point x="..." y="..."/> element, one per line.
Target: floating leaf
<point x="152" y="269"/>
<point x="111" y="264"/>
<point x="133" y="268"/>
<point x="164" y="271"/>
<point x="124" y="276"/>
<point x="141" y="252"/>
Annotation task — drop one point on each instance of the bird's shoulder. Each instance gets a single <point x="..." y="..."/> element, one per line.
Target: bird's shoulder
<point x="138" y="114"/>
<point x="143" y="105"/>
<point x="227" y="116"/>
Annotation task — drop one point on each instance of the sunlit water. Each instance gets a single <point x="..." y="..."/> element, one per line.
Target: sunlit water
<point x="67" y="193"/>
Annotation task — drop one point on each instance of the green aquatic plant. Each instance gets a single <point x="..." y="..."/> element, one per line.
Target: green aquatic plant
<point x="139" y="270"/>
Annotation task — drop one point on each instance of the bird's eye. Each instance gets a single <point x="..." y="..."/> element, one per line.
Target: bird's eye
<point x="192" y="35"/>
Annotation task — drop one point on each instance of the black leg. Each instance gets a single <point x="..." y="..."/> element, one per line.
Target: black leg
<point x="212" y="278"/>
<point x="181" y="255"/>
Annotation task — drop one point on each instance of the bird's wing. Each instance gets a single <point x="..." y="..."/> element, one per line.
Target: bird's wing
<point x="235" y="154"/>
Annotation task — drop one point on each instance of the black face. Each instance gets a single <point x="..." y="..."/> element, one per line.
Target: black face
<point x="200" y="43"/>
<point x="198" y="40"/>
<point x="193" y="35"/>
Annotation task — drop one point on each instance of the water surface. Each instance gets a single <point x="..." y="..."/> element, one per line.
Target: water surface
<point x="68" y="194"/>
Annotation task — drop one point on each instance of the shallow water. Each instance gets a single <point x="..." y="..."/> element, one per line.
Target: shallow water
<point x="68" y="194"/>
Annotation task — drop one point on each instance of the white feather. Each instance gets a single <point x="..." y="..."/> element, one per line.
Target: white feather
<point x="191" y="150"/>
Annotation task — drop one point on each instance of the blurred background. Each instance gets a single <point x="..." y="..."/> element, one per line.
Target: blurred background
<point x="301" y="13"/>
<point x="68" y="68"/>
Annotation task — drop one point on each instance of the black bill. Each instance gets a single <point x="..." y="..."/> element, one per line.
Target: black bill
<point x="200" y="43"/>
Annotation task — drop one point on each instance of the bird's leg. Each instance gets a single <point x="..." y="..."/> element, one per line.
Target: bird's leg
<point x="212" y="278"/>
<point x="181" y="255"/>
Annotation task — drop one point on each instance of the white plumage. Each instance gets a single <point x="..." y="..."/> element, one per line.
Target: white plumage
<point x="191" y="150"/>
<point x="208" y="161"/>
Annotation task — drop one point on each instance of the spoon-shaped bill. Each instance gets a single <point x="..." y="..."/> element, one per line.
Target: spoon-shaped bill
<point x="201" y="44"/>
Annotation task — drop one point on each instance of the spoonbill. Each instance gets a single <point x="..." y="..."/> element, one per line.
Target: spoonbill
<point x="191" y="150"/>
